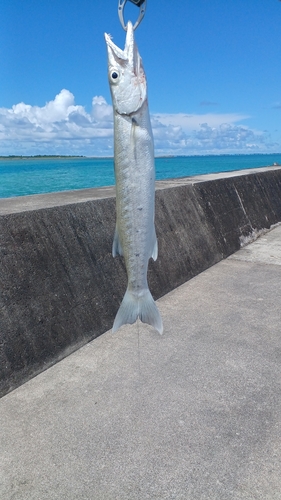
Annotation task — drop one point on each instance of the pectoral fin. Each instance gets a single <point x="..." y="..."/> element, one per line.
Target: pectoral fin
<point x="116" y="246"/>
<point x="154" y="253"/>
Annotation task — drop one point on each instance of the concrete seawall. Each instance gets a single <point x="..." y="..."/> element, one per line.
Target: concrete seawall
<point x="60" y="286"/>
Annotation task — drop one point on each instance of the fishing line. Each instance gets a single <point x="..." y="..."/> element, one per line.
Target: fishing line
<point x="139" y="401"/>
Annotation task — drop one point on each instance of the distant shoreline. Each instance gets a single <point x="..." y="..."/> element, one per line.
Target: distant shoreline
<point x="38" y="157"/>
<point x="69" y="157"/>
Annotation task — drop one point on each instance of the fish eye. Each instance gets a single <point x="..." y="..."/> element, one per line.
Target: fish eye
<point x="114" y="75"/>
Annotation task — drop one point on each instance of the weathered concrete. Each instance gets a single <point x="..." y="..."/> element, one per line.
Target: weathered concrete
<point x="60" y="286"/>
<point x="194" y="414"/>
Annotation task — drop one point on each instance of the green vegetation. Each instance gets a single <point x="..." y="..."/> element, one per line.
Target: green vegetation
<point x="19" y="157"/>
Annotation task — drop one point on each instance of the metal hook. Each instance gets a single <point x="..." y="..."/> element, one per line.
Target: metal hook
<point x="139" y="3"/>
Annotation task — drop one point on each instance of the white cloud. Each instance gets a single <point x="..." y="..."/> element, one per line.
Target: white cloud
<point x="191" y="122"/>
<point x="62" y="127"/>
<point x="101" y="111"/>
<point x="207" y="134"/>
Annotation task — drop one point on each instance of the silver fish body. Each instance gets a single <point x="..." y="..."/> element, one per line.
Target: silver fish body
<point x="135" y="236"/>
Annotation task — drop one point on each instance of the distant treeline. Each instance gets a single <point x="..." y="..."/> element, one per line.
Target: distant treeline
<point x="41" y="156"/>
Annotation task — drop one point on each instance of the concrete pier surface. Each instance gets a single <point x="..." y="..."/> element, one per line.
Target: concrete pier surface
<point x="193" y="414"/>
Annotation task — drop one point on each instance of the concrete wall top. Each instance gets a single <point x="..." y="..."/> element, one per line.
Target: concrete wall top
<point x="58" y="199"/>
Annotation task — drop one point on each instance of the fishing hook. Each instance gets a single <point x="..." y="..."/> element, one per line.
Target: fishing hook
<point x="139" y="3"/>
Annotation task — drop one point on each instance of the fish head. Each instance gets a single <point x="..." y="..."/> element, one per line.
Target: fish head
<point x="126" y="74"/>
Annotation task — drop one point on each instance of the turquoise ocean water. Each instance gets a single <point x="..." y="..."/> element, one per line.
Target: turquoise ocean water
<point x="27" y="176"/>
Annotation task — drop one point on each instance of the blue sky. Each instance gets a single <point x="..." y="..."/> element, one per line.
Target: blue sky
<point x="213" y="71"/>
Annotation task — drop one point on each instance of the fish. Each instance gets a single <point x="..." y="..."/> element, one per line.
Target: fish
<point x="135" y="237"/>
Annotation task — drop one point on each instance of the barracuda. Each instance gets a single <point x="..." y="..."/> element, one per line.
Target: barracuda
<point x="135" y="236"/>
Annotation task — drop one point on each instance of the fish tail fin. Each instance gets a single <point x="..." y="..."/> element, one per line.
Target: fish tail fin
<point x="134" y="307"/>
<point x="148" y="312"/>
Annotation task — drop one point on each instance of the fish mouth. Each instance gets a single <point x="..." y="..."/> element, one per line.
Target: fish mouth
<point x="113" y="50"/>
<point x="130" y="53"/>
<point x="129" y="91"/>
